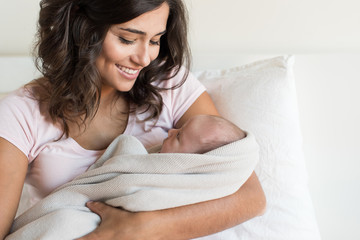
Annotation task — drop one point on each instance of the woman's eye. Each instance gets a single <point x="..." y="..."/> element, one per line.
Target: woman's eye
<point x="157" y="43"/>
<point x="125" y="41"/>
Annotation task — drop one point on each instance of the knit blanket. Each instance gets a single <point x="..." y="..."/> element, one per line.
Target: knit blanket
<point x="127" y="176"/>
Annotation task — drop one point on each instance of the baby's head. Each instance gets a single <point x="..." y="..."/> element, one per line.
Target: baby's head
<point x="201" y="134"/>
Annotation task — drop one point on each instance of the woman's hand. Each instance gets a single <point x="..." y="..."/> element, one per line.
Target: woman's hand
<point x="118" y="224"/>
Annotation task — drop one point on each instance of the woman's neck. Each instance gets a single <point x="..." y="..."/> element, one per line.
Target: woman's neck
<point x="109" y="121"/>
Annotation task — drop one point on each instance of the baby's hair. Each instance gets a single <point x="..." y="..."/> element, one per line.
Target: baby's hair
<point x="222" y="132"/>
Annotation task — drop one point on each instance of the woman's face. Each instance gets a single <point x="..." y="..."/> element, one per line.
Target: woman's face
<point x="129" y="47"/>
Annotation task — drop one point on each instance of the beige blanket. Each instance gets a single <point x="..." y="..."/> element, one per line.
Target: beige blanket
<point x="127" y="176"/>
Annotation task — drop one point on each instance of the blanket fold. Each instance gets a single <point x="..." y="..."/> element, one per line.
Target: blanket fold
<point x="127" y="176"/>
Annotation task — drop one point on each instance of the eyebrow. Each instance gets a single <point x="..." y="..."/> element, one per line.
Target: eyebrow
<point x="140" y="32"/>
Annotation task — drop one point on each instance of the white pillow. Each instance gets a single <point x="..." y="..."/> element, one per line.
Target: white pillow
<point x="261" y="98"/>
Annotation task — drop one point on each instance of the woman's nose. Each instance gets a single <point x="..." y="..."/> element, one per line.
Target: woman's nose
<point x="142" y="56"/>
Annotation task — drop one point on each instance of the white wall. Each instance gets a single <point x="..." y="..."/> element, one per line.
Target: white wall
<point x="251" y="26"/>
<point x="17" y="26"/>
<point x="329" y="104"/>
<point x="328" y="95"/>
<point x="268" y="26"/>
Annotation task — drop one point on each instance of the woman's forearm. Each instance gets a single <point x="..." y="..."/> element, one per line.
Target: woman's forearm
<point x="209" y="217"/>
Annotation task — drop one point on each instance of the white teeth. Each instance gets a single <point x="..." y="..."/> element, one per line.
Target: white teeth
<point x="127" y="70"/>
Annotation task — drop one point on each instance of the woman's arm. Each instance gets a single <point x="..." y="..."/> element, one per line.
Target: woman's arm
<point x="180" y="223"/>
<point x="184" y="222"/>
<point x="202" y="105"/>
<point x="12" y="176"/>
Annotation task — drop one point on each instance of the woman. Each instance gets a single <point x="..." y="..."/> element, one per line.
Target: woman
<point x="110" y="68"/>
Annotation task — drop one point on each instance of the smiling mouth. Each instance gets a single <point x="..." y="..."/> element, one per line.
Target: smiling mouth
<point x="127" y="70"/>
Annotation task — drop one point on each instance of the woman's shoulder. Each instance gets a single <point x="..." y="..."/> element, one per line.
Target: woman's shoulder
<point x="178" y="76"/>
<point x="21" y="121"/>
<point x="20" y="95"/>
<point x="183" y="83"/>
<point x="21" y="98"/>
<point x="19" y="108"/>
<point x="178" y="100"/>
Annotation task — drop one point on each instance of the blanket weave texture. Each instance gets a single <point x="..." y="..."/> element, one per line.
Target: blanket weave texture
<point x="127" y="176"/>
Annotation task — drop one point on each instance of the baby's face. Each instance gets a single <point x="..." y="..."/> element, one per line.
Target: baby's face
<point x="183" y="140"/>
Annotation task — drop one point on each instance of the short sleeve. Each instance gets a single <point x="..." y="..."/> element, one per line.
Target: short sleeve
<point x="18" y="120"/>
<point x="180" y="99"/>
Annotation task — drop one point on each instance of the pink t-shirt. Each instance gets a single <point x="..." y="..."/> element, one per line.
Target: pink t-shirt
<point x="53" y="163"/>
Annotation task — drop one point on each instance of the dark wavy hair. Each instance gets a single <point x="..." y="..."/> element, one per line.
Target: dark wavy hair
<point x="69" y="40"/>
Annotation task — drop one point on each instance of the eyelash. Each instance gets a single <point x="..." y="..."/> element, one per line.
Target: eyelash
<point x="157" y="43"/>
<point x="128" y="42"/>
